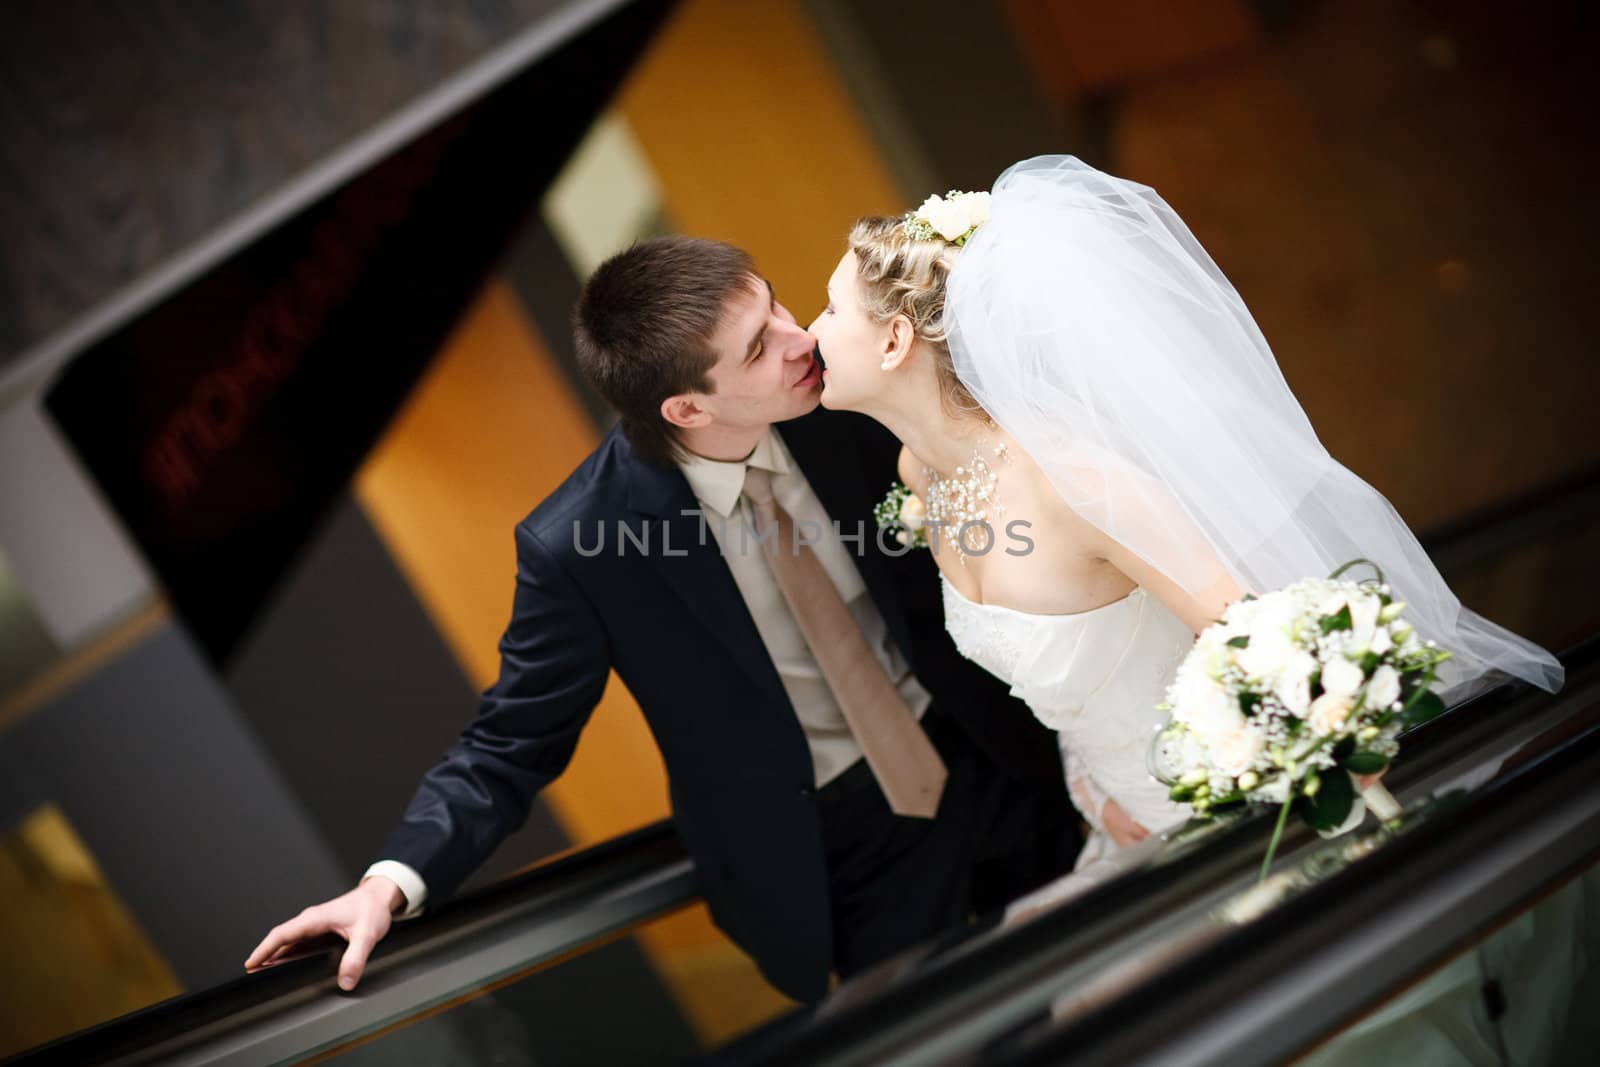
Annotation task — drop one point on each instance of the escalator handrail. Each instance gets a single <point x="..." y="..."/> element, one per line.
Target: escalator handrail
<point x="940" y="991"/>
<point x="552" y="910"/>
<point x="1271" y="989"/>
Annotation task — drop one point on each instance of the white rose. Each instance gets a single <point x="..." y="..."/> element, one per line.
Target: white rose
<point x="1341" y="678"/>
<point x="1332" y="603"/>
<point x="1381" y="641"/>
<point x="1384" y="688"/>
<point x="1363" y="621"/>
<point x="1294" y="692"/>
<point x="1275" y="789"/>
<point x="1270" y="647"/>
<point x="977" y="205"/>
<point x="1328" y="713"/>
<point x="913" y="512"/>
<point x="1204" y="706"/>
<point x="1238" y="616"/>
<point x="947" y="217"/>
<point x="1235" y="752"/>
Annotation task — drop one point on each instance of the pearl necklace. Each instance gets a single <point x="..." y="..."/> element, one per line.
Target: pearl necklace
<point x="966" y="498"/>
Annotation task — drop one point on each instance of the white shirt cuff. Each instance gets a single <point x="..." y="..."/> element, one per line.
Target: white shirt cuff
<point x="410" y="883"/>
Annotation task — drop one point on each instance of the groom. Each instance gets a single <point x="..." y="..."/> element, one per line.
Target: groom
<point x="846" y="783"/>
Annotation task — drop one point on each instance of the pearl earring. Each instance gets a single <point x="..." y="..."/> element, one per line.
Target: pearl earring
<point x="885" y="365"/>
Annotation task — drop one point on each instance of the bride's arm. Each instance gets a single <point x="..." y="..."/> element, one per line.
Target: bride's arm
<point x="1097" y="493"/>
<point x="1197" y="609"/>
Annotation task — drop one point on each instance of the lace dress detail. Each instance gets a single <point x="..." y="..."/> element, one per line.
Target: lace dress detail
<point x="1095" y="678"/>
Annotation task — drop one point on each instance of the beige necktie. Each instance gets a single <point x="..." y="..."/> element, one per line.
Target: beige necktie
<point x="907" y="766"/>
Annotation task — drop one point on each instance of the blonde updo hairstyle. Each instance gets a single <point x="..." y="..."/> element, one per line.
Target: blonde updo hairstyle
<point x="900" y="275"/>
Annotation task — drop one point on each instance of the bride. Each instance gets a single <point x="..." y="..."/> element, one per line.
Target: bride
<point x="1107" y="456"/>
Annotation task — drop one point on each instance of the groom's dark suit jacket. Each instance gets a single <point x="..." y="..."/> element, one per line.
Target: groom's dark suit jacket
<point x="677" y="632"/>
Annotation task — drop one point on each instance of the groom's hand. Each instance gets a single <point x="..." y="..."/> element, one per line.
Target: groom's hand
<point x="361" y="916"/>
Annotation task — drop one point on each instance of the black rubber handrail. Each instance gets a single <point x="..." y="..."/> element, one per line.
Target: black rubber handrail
<point x="1273" y="988"/>
<point x="650" y="864"/>
<point x="968" y="973"/>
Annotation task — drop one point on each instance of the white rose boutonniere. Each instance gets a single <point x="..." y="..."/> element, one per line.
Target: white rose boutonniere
<point x="913" y="512"/>
<point x="903" y="514"/>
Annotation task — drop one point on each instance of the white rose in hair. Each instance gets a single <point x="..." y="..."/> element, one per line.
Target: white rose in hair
<point x="1341" y="678"/>
<point x="1384" y="688"/>
<point x="947" y="217"/>
<point x="977" y="205"/>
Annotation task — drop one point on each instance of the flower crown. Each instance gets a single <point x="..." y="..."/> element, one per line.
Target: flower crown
<point x="953" y="217"/>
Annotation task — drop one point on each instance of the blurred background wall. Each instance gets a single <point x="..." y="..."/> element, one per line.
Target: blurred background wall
<point x="1399" y="191"/>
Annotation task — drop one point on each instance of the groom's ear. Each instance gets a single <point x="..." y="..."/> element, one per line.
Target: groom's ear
<point x="897" y="342"/>
<point x="683" y="411"/>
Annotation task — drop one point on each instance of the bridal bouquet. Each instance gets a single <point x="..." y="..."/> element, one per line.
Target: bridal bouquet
<point x="1292" y="693"/>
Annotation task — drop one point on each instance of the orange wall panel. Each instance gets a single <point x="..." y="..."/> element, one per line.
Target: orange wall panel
<point x="488" y="433"/>
<point x="756" y="142"/>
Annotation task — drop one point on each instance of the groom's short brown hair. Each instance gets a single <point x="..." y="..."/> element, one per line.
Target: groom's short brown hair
<point x="643" y="329"/>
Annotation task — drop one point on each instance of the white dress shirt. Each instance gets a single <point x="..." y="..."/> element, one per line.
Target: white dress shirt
<point x="719" y="487"/>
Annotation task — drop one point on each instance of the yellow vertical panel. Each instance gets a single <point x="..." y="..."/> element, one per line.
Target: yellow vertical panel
<point x="755" y="141"/>
<point x="74" y="956"/>
<point x="488" y="433"/>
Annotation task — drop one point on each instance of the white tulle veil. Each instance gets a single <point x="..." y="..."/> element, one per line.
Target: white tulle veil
<point x="1091" y="325"/>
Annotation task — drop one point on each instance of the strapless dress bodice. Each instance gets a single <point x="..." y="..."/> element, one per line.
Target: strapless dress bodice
<point x="1096" y="677"/>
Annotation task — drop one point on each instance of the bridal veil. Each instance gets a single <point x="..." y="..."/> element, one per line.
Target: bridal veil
<point x="1091" y="325"/>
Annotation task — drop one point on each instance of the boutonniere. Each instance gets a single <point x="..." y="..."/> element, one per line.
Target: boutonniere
<point x="904" y="514"/>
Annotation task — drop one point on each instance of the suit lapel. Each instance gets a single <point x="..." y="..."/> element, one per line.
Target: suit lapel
<point x="685" y="554"/>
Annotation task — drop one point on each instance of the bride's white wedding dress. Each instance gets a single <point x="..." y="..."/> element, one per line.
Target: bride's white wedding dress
<point x="1096" y="678"/>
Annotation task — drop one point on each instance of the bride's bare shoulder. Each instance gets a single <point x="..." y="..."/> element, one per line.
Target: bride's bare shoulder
<point x="913" y="472"/>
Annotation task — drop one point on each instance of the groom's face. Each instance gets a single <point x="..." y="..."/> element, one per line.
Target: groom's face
<point x="764" y="371"/>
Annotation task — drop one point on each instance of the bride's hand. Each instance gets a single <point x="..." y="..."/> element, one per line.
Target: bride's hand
<point x="1367" y="781"/>
<point x="1120" y="825"/>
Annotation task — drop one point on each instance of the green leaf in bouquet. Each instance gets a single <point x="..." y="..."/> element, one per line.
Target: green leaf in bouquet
<point x="1331" y="805"/>
<point x="1425" y="704"/>
<point x="1242" y="641"/>
<point x="1342" y="750"/>
<point x="1364" y="762"/>
<point x="1339" y="620"/>
<point x="1411" y="681"/>
<point x="1369" y="663"/>
<point x="1248" y="702"/>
